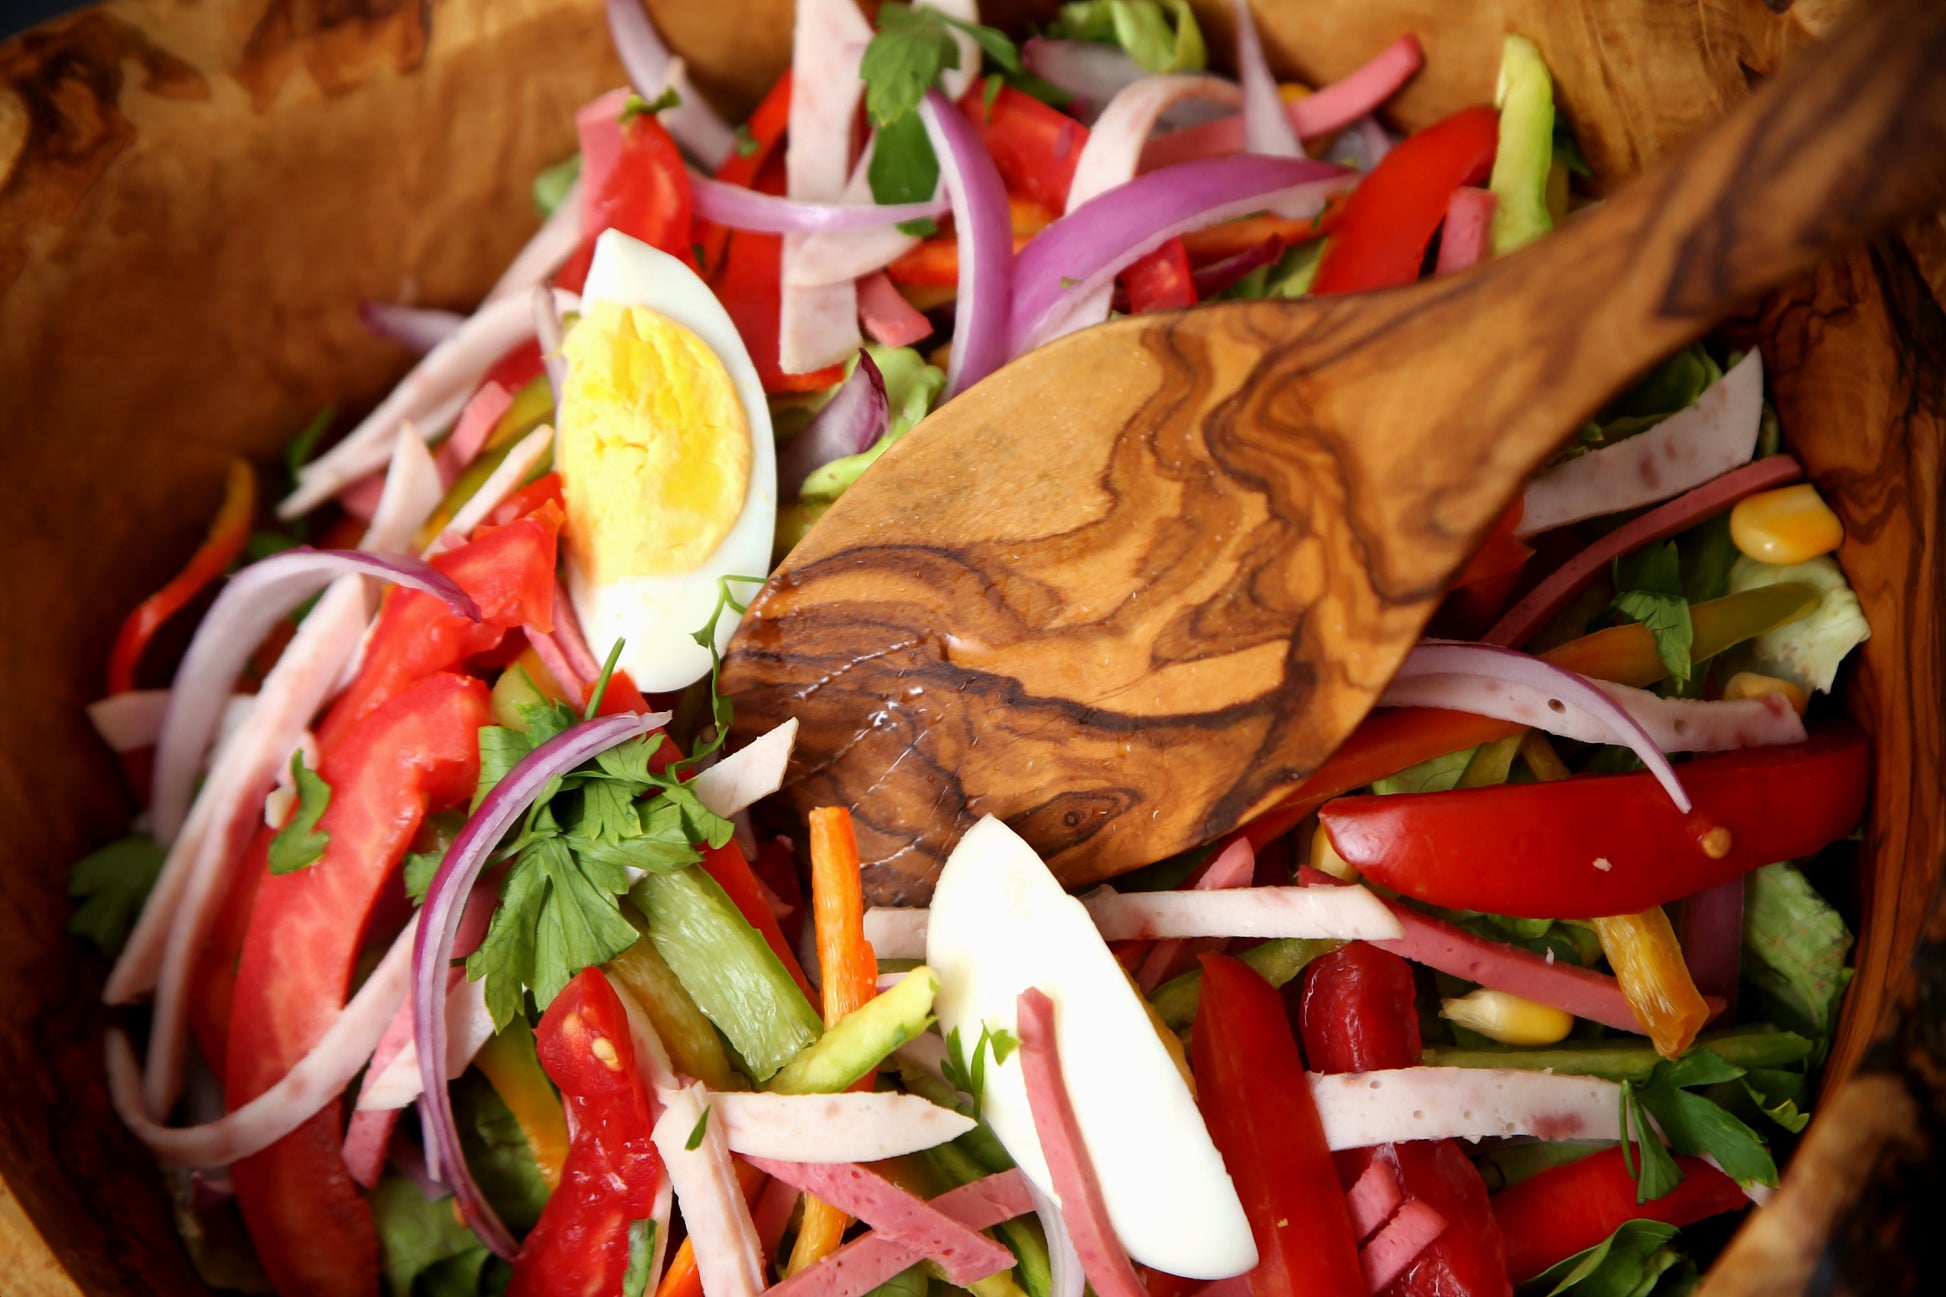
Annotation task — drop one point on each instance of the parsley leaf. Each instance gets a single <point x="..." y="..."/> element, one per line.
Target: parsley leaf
<point x="719" y="706"/>
<point x="1651" y="592"/>
<point x="911" y="48"/>
<point x="745" y="143"/>
<point x="601" y="681"/>
<point x="1648" y="1163"/>
<point x="637" y="106"/>
<point x="641" y="1255"/>
<point x="969" y="1075"/>
<point x="698" y="1132"/>
<point x="1625" y="1263"/>
<point x="299" y="843"/>
<point x="110" y="886"/>
<point x="579" y="920"/>
<point x="1692" y="1123"/>
<point x="903" y="169"/>
<point x="1142" y="28"/>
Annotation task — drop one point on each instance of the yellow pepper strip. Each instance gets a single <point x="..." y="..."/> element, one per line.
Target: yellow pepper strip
<point x="694" y="1048"/>
<point x="1642" y="949"/>
<point x="513" y="1069"/>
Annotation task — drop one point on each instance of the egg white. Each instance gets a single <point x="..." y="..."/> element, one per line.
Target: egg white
<point x="999" y="924"/>
<point x="658" y="615"/>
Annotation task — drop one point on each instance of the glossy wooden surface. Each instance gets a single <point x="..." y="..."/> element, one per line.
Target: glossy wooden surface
<point x="179" y="265"/>
<point x="1130" y="590"/>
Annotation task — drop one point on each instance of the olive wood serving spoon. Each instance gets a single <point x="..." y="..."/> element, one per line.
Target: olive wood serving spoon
<point x="1131" y="588"/>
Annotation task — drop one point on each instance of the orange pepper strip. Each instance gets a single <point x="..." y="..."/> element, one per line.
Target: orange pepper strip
<point x="224" y="542"/>
<point x="850" y="978"/>
<point x="682" y="1278"/>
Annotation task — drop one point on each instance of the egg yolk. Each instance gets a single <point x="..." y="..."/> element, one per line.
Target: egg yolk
<point x="653" y="445"/>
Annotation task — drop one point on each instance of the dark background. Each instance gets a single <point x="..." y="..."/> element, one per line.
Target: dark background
<point x="18" y="14"/>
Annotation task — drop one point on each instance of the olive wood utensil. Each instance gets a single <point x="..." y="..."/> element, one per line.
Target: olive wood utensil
<point x="1130" y="588"/>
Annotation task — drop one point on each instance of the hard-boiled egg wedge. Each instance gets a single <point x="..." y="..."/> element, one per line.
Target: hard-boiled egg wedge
<point x="666" y="460"/>
<point x="1001" y="923"/>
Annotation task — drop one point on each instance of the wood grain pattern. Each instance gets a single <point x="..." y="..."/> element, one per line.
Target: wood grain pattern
<point x="1126" y="592"/>
<point x="178" y="272"/>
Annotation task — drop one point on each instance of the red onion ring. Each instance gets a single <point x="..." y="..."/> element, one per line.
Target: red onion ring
<point x="1267" y="129"/>
<point x="851" y="422"/>
<point x="254" y="601"/>
<point x="432" y="950"/>
<point x="746" y="209"/>
<point x="416" y="328"/>
<point x="986" y="244"/>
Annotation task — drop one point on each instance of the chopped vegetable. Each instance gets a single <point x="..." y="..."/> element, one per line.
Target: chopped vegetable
<point x="1560" y="1212"/>
<point x="1160" y="35"/>
<point x="859" y="1041"/>
<point x="1807" y="650"/>
<point x="1525" y="154"/>
<point x="109" y="886"/>
<point x="1648" y="962"/>
<point x="1795" y="945"/>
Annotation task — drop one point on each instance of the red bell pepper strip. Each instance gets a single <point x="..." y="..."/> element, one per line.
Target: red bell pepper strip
<point x="543" y="490"/>
<point x="1389" y="220"/>
<point x="1250" y="1086"/>
<point x="1356" y="1014"/>
<point x="1229" y="239"/>
<point x="212" y="978"/>
<point x="761" y="135"/>
<point x="749" y="280"/>
<point x="227" y="532"/>
<point x="1607" y="844"/>
<point x="508" y="570"/>
<point x="418" y="752"/>
<point x="633" y="179"/>
<point x="520" y="366"/>
<point x="1161" y="281"/>
<point x="579" y="1247"/>
<point x="1568" y="1209"/>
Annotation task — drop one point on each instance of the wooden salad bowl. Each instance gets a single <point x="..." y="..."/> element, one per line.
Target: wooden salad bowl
<point x="194" y="198"/>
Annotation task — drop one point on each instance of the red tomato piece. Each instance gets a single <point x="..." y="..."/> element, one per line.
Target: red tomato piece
<point x="750" y="283"/>
<point x="1567" y="1209"/>
<point x="1381" y="237"/>
<point x="1250" y="1086"/>
<point x="418" y="752"/>
<point x="633" y="179"/>
<point x="762" y="133"/>
<point x="1160" y="280"/>
<point x="579" y="1247"/>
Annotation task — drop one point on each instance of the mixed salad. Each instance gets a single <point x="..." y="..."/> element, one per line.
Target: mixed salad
<point x="473" y="960"/>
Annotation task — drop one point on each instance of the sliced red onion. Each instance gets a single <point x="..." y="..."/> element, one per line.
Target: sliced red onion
<point x="1685" y="450"/>
<point x="1083" y="251"/>
<point x="552" y="244"/>
<point x="433" y="951"/>
<point x="1463" y="238"/>
<point x="315" y="1080"/>
<point x="547" y="647"/>
<point x="1114" y="146"/>
<point x="1092" y="71"/>
<point x="1399" y="1244"/>
<point x="986" y="244"/>
<point x="887" y="318"/>
<point x="476" y="422"/>
<point x="252" y="602"/>
<point x="550" y="335"/>
<point x="1712" y="940"/>
<point x="1219" y="275"/>
<point x="850" y="423"/>
<point x="394" y="1083"/>
<point x="1267" y="128"/>
<point x="409" y="1160"/>
<point x="1520" y="622"/>
<point x="1564" y="692"/>
<point x="819" y="326"/>
<point x="1336" y="106"/>
<point x="581" y="659"/>
<point x="842" y="256"/>
<point x="416" y="328"/>
<point x="747" y="209"/>
<point x="652" y="69"/>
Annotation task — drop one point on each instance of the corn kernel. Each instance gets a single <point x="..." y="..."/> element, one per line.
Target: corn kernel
<point x="1508" y="1019"/>
<point x="1292" y="91"/>
<point x="1749" y="684"/>
<point x="1789" y="525"/>
<point x="1325" y="856"/>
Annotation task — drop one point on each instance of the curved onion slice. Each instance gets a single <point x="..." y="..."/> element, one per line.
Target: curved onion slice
<point x="1092" y="71"/>
<point x="319" y="1077"/>
<point x="1685" y="450"/>
<point x="652" y="69"/>
<point x="747" y="209"/>
<point x="418" y="329"/>
<point x="1361" y="145"/>
<point x="852" y="421"/>
<point x="1080" y="253"/>
<point x="841" y="256"/>
<point x="986" y="244"/>
<point x="432" y="952"/>
<point x="254" y="601"/>
<point x="1267" y="128"/>
<point x="1563" y="694"/>
<point x="543" y="254"/>
<point x="1360" y="1109"/>
<point x="1066" y="1278"/>
<point x="1336" y="106"/>
<point x="1672" y="724"/>
<point x="1659" y="523"/>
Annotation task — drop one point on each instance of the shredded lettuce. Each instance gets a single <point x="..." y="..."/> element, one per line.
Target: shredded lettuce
<point x="1433" y="775"/>
<point x="1161" y="35"/>
<point x="1809" y="649"/>
<point x="497" y="1152"/>
<point x="422" y="1245"/>
<point x="911" y="387"/>
<point x="1794" y="947"/>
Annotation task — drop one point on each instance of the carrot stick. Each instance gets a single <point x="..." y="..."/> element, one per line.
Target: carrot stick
<point x="850" y="977"/>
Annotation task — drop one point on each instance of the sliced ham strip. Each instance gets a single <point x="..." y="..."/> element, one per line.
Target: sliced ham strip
<point x="466" y="1018"/>
<point x="888" y="318"/>
<point x="1234" y="866"/>
<point x="1399" y="1244"/>
<point x="965" y="1255"/>
<point x="1103" y="1258"/>
<point x="412" y="491"/>
<point x="468" y="1027"/>
<point x="551" y="245"/>
<point x="1360" y="1109"/>
<point x="818" y="326"/>
<point x="772" y="1214"/>
<point x="548" y="648"/>
<point x="1685" y="450"/>
<point x="319" y="1077"/>
<point x="727" y="1253"/>
<point x="520" y="463"/>
<point x="130" y="721"/>
<point x="749" y="774"/>
<point x="864" y="1263"/>
<point x="368" y="1139"/>
<point x="864" y="1126"/>
<point x="1659" y="523"/>
<point x="1463" y="240"/>
<point x="1374" y="1198"/>
<point x="488" y="406"/>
